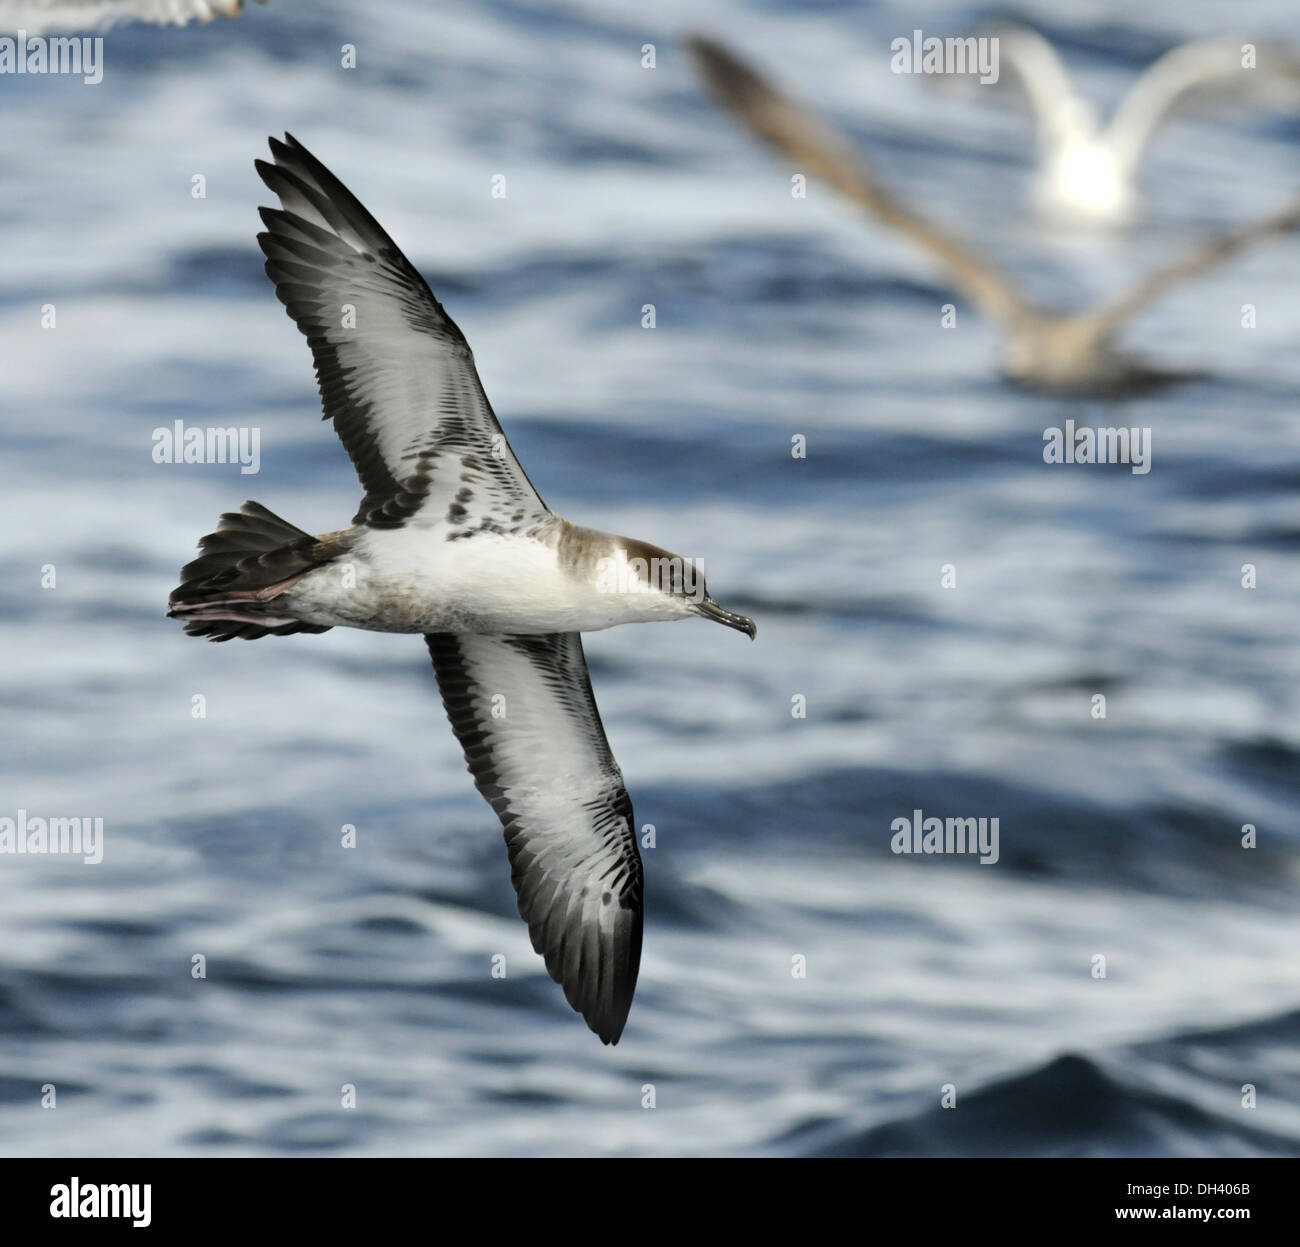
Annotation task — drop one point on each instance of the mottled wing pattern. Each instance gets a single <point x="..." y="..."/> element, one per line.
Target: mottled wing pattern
<point x="396" y="375"/>
<point x="523" y="711"/>
<point x="36" y="16"/>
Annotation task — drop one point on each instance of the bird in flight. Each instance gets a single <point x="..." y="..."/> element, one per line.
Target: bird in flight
<point x="37" y="16"/>
<point x="453" y="542"/>
<point x="1054" y="352"/>
<point x="1088" y="171"/>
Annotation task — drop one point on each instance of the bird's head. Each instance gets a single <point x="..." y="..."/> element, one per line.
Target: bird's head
<point x="671" y="587"/>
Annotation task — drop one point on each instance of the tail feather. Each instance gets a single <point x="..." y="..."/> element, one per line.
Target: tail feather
<point x="254" y="556"/>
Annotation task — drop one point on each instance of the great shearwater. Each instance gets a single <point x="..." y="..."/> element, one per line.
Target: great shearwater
<point x="1088" y="171"/>
<point x="37" y="16"/>
<point x="1070" y="353"/>
<point x="452" y="541"/>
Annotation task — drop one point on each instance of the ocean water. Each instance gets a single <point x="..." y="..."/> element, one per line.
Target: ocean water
<point x="804" y="990"/>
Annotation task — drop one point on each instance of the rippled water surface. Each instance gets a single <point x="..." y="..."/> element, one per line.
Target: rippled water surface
<point x="1119" y="837"/>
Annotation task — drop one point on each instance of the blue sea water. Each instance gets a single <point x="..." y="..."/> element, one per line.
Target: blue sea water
<point x="774" y="318"/>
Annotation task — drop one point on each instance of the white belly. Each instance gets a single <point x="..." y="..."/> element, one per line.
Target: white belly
<point x="1083" y="181"/>
<point x="412" y="579"/>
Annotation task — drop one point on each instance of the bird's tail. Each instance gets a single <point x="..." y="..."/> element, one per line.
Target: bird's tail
<point x="254" y="557"/>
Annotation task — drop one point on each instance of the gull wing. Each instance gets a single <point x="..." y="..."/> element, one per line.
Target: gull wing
<point x="396" y="375"/>
<point x="1112" y="314"/>
<point x="819" y="149"/>
<point x="1185" y="70"/>
<point x="37" y="16"/>
<point x="523" y="711"/>
<point x="1042" y="77"/>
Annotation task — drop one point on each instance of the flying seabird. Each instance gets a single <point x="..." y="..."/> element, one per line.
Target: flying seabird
<point x="37" y="16"/>
<point x="452" y="541"/>
<point x="1055" y="352"/>
<point x="1088" y="170"/>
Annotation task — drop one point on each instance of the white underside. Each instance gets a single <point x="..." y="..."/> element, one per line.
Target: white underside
<point x="412" y="579"/>
<point x="1083" y="181"/>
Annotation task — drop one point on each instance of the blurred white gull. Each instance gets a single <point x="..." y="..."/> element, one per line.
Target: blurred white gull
<point x="38" y="16"/>
<point x="1088" y="171"/>
<point x="1057" y="352"/>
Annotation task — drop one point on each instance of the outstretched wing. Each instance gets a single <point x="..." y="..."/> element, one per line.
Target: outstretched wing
<point x="523" y="711"/>
<point x="820" y="150"/>
<point x="1186" y="70"/>
<point x="396" y="375"/>
<point x="1043" y="79"/>
<point x="1112" y="314"/>
<point x="37" y="16"/>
